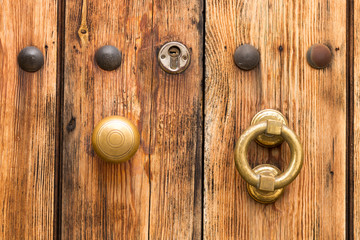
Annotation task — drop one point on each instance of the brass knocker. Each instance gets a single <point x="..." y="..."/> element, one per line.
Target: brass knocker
<point x="265" y="183"/>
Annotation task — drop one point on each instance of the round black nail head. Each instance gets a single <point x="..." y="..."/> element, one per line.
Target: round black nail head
<point x="246" y="57"/>
<point x="108" y="58"/>
<point x="319" y="56"/>
<point x="30" y="59"/>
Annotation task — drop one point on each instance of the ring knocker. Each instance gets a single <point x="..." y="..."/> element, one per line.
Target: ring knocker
<point x="265" y="183"/>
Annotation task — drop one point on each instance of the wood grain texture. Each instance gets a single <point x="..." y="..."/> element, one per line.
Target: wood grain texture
<point x="313" y="101"/>
<point x="176" y="126"/>
<point x="107" y="201"/>
<point x="27" y="120"/>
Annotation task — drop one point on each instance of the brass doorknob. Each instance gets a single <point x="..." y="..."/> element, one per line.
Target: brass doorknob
<point x="115" y="139"/>
<point x="266" y="182"/>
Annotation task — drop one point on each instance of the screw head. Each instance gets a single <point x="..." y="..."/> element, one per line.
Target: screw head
<point x="30" y="59"/>
<point x="318" y="56"/>
<point x="246" y="57"/>
<point x="108" y="58"/>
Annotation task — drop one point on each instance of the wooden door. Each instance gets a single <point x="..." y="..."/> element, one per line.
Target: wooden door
<point x="158" y="193"/>
<point x="182" y="183"/>
<point x="314" y="102"/>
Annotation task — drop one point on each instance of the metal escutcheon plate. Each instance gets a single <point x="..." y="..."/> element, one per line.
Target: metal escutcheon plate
<point x="174" y="57"/>
<point x="264" y="196"/>
<point x="267" y="140"/>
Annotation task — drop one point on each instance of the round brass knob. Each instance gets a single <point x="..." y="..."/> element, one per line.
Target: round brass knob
<point x="266" y="182"/>
<point x="115" y="139"/>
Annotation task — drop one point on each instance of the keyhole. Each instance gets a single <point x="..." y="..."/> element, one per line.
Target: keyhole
<point x="174" y="51"/>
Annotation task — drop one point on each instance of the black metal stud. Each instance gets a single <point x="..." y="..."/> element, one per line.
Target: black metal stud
<point x="318" y="56"/>
<point x="30" y="59"/>
<point x="246" y="57"/>
<point x="108" y="58"/>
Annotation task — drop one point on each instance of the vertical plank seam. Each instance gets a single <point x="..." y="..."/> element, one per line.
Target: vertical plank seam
<point x="150" y="118"/>
<point x="350" y="119"/>
<point x="59" y="120"/>
<point x="203" y="120"/>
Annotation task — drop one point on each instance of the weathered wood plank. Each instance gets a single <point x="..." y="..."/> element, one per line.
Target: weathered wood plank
<point x="176" y="126"/>
<point x="27" y="121"/>
<point x="314" y="102"/>
<point x="102" y="200"/>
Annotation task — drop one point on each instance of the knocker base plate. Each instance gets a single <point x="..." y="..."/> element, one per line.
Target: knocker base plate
<point x="265" y="196"/>
<point x="267" y="140"/>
